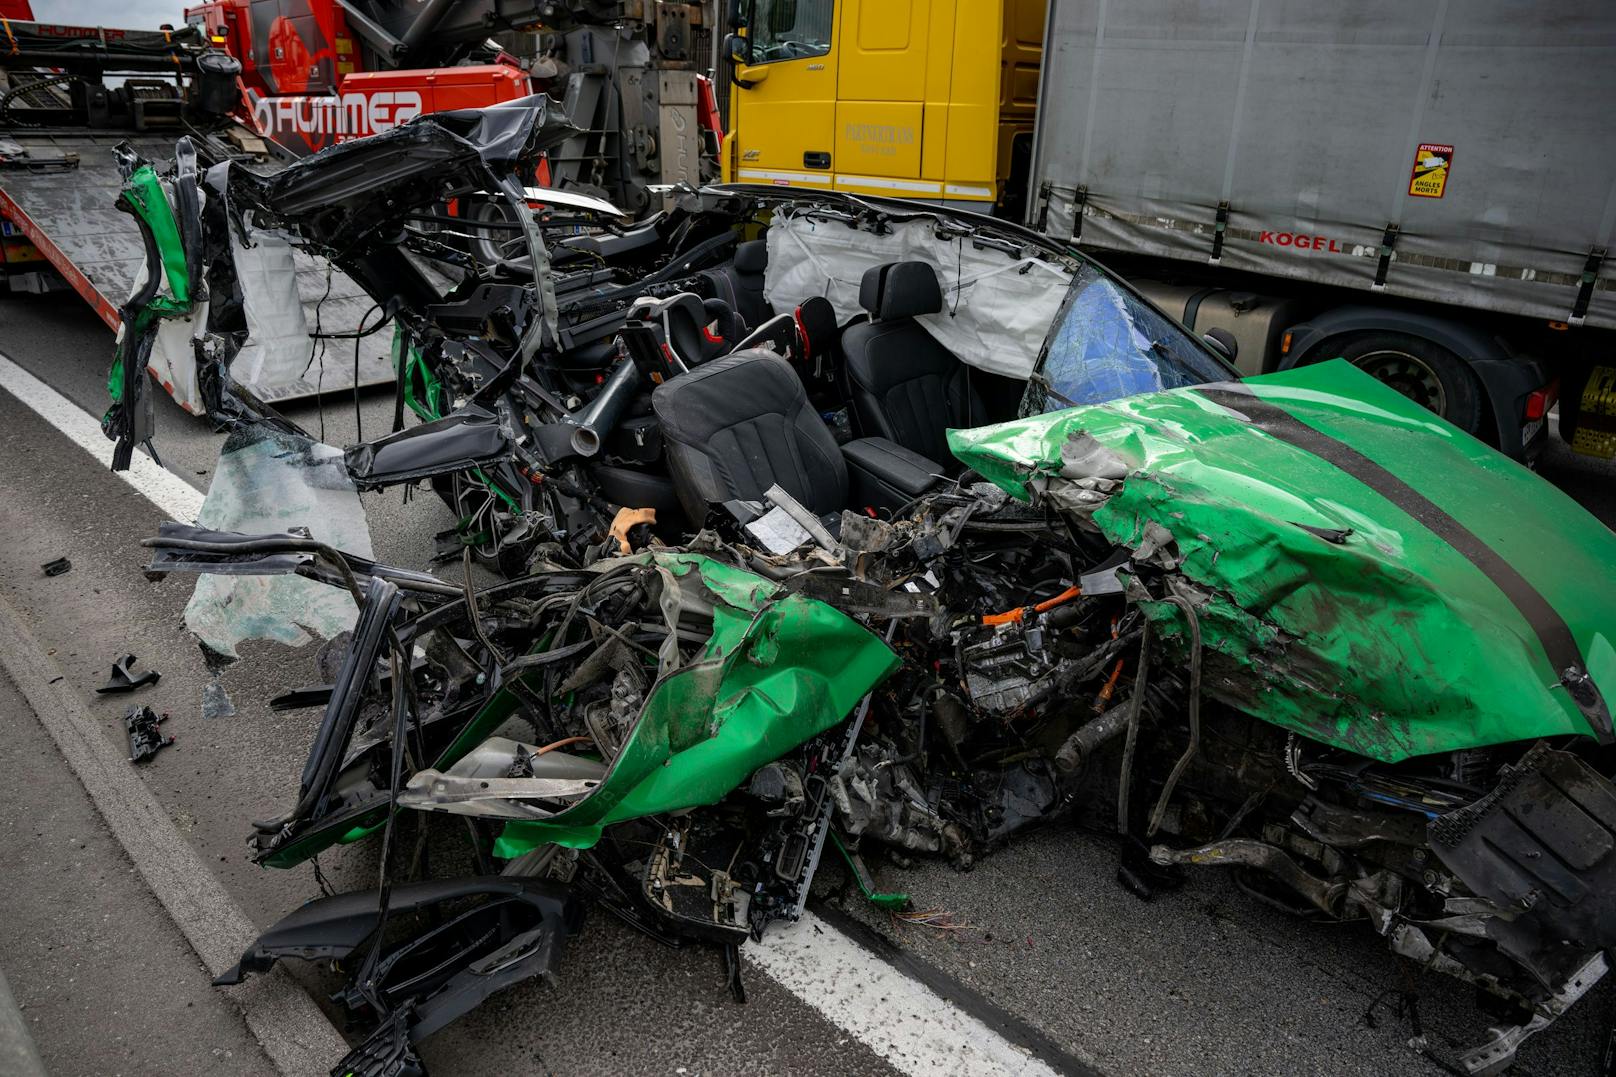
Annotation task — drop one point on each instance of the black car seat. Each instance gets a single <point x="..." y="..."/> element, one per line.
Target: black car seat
<point x="738" y="425"/>
<point x="906" y="387"/>
<point x="682" y="322"/>
<point x="805" y="336"/>
<point x="740" y="284"/>
<point x="817" y="332"/>
<point x="723" y="329"/>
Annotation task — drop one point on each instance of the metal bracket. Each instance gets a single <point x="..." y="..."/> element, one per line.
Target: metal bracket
<point x="1388" y="241"/>
<point x="1080" y="198"/>
<point x="1043" y="205"/>
<point x="125" y="679"/>
<point x="1219" y="228"/>
<point x="1585" y="291"/>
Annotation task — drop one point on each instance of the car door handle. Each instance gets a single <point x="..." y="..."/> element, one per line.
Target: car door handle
<point x="815" y="159"/>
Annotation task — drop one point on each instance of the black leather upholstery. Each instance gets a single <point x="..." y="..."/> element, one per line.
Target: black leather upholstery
<point x="738" y="425"/>
<point x="884" y="475"/>
<point x="906" y="387"/>
<point x="740" y="284"/>
<point x="752" y="257"/>
<point x="900" y="290"/>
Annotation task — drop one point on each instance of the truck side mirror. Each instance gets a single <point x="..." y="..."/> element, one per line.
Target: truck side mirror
<point x="1222" y="341"/>
<point x="739" y="52"/>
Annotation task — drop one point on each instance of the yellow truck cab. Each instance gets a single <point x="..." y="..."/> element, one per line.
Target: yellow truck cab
<point x="927" y="99"/>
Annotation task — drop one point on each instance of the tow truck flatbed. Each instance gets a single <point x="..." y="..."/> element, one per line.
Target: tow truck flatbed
<point x="58" y="187"/>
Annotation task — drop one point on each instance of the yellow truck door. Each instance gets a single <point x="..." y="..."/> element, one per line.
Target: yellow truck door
<point x="906" y="98"/>
<point x="783" y="122"/>
<point x="881" y="92"/>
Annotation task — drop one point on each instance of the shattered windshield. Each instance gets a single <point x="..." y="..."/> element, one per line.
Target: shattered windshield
<point x="1106" y="344"/>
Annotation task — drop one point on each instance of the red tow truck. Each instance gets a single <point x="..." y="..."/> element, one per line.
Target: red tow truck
<point x="294" y="76"/>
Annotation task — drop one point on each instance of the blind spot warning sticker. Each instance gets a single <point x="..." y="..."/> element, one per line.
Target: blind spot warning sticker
<point x="1431" y="164"/>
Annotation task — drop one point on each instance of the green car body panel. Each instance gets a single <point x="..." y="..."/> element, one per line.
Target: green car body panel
<point x="143" y="197"/>
<point x="777" y="670"/>
<point x="1373" y="578"/>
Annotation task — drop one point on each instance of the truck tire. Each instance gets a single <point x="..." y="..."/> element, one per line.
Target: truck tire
<point x="1426" y="373"/>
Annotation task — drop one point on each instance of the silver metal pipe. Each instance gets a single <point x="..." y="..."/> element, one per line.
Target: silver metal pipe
<point x="604" y="412"/>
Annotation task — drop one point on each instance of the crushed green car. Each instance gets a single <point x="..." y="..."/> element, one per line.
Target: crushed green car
<point x="1292" y="627"/>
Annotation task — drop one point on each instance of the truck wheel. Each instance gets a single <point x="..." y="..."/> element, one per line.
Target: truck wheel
<point x="1426" y="373"/>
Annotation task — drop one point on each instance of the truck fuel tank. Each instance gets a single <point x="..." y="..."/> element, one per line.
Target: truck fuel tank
<point x="1257" y="321"/>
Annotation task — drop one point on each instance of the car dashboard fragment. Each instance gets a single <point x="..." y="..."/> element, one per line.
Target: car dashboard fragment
<point x="827" y="521"/>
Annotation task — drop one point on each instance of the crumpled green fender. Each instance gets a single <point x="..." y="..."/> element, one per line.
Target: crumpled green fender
<point x="145" y="199"/>
<point x="1373" y="577"/>
<point x="778" y="669"/>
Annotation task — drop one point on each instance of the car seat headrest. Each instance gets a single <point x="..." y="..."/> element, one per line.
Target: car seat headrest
<point x="900" y="290"/>
<point x="752" y="256"/>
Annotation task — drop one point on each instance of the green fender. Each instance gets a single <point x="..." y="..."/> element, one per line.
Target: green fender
<point x="778" y="669"/>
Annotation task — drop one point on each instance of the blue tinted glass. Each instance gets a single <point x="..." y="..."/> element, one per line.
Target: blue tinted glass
<point x="1107" y="344"/>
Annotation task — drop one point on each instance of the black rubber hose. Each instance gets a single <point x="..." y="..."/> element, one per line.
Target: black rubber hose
<point x="1194" y="716"/>
<point x="1136" y="705"/>
<point x="6" y="118"/>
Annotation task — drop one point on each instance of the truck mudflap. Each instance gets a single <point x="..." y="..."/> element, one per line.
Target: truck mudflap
<point x="1541" y="848"/>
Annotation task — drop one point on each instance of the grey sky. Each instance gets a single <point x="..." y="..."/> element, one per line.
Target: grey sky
<point x="124" y="14"/>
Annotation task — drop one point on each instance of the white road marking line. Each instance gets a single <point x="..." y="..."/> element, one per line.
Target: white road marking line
<point x="295" y="1035"/>
<point x="902" y="1020"/>
<point x="907" y="1024"/>
<point x="160" y="486"/>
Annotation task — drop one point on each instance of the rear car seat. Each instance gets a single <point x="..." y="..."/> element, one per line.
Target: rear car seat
<point x="807" y="336"/>
<point x="682" y="322"/>
<point x="740" y="284"/>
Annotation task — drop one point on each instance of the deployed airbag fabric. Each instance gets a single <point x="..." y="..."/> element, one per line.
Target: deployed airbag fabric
<point x="996" y="308"/>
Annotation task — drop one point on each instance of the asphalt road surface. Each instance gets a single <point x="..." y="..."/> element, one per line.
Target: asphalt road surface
<point x="1049" y="951"/>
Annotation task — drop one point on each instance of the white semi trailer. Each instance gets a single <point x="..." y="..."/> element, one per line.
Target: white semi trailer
<point x="1424" y="187"/>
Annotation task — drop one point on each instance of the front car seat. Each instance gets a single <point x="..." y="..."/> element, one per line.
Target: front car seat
<point x="736" y="426"/>
<point x="906" y="387"/>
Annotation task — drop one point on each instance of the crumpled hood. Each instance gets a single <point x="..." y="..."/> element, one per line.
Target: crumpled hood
<point x="1365" y="573"/>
